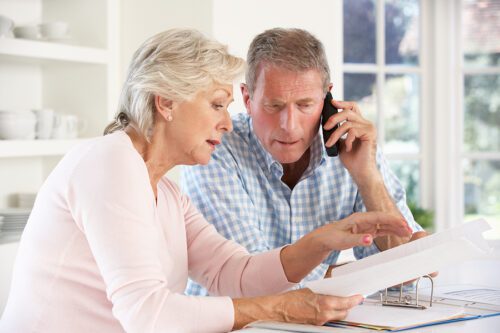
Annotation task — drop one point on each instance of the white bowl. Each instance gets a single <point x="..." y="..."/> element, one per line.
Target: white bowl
<point x="26" y="32"/>
<point x="21" y="127"/>
<point x="54" y="30"/>
<point x="6" y="25"/>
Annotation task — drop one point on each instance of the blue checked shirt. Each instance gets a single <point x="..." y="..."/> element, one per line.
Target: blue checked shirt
<point x="241" y="193"/>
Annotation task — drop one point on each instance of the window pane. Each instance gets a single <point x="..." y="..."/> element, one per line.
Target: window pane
<point x="482" y="192"/>
<point x="402" y="31"/>
<point x="408" y="173"/>
<point x="482" y="113"/>
<point x="481" y="24"/>
<point x="401" y="113"/>
<point x="359" y="31"/>
<point x="361" y="89"/>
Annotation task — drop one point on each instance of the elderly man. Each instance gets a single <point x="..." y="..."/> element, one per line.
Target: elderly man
<point x="271" y="181"/>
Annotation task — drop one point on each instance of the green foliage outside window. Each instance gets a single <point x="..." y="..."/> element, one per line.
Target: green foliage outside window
<point x="424" y="217"/>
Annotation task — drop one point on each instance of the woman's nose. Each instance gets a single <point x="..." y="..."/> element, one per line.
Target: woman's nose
<point x="226" y="123"/>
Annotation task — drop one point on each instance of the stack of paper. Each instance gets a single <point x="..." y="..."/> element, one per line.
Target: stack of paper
<point x="406" y="262"/>
<point x="374" y="315"/>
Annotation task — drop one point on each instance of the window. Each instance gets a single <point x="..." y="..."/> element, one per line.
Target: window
<point x="480" y="158"/>
<point x="382" y="72"/>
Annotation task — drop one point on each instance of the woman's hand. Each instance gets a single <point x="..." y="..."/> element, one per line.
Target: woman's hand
<point x="358" y="229"/>
<point x="304" y="306"/>
<point x="297" y="306"/>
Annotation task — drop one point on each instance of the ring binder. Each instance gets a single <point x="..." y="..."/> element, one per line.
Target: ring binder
<point x="406" y="301"/>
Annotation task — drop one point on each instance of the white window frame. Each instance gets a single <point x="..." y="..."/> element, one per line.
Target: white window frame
<point x="380" y="69"/>
<point x="443" y="108"/>
<point x="459" y="138"/>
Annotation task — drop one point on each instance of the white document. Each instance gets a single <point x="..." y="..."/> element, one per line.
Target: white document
<point x="373" y="314"/>
<point x="477" y="294"/>
<point x="406" y="262"/>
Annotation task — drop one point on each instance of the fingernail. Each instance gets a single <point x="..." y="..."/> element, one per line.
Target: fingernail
<point x="367" y="239"/>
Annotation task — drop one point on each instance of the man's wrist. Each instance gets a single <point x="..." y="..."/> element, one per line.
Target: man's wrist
<point x="369" y="179"/>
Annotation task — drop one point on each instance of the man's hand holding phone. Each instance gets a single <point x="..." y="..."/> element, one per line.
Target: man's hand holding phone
<point x="359" y="147"/>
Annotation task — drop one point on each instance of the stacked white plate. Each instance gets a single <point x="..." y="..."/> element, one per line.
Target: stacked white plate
<point x="17" y="125"/>
<point x="14" y="220"/>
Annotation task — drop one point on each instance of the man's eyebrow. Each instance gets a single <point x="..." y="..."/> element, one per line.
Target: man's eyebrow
<point x="306" y="99"/>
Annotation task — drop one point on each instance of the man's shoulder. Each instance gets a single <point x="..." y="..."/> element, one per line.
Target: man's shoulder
<point x="240" y="136"/>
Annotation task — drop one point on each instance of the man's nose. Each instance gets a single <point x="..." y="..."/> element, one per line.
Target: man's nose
<point x="288" y="119"/>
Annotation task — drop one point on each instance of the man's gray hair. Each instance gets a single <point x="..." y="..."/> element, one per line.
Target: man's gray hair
<point x="293" y="49"/>
<point x="175" y="64"/>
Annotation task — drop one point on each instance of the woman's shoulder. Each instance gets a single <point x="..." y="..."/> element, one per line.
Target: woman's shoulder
<point x="113" y="152"/>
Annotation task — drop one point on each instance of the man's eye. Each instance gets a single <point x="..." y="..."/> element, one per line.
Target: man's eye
<point x="307" y="108"/>
<point x="218" y="106"/>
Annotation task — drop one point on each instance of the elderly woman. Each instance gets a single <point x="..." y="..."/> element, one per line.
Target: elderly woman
<point x="111" y="241"/>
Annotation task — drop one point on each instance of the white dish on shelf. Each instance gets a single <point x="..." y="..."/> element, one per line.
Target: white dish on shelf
<point x="54" y="29"/>
<point x="14" y="211"/>
<point x="6" y="26"/>
<point x="17" y="125"/>
<point x="27" y="32"/>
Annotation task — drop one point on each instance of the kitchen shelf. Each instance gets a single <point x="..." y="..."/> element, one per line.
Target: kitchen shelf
<point x="35" y="148"/>
<point x="76" y="76"/>
<point x="42" y="51"/>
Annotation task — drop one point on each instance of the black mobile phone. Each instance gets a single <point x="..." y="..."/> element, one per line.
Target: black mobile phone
<point x="328" y="111"/>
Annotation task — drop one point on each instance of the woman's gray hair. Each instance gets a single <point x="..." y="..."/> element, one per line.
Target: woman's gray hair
<point x="293" y="49"/>
<point x="175" y="64"/>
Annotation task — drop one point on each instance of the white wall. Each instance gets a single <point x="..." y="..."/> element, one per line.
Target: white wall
<point x="142" y="19"/>
<point x="236" y="22"/>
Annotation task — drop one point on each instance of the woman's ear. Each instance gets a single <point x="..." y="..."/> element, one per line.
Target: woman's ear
<point x="164" y="107"/>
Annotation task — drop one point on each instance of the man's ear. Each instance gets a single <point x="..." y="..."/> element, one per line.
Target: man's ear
<point x="246" y="96"/>
<point x="164" y="107"/>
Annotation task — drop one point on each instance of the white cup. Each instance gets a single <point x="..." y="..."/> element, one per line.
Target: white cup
<point x="54" y="30"/>
<point x="44" y="123"/>
<point x="6" y="26"/>
<point x="67" y="126"/>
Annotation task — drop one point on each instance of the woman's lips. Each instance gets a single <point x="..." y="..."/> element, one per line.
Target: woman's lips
<point x="213" y="143"/>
